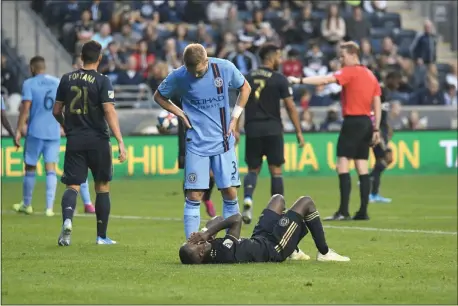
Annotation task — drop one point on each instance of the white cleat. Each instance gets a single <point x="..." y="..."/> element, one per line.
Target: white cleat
<point x="331" y="256"/>
<point x="298" y="255"/>
<point x="49" y="212"/>
<point x="247" y="214"/>
<point x="65" y="234"/>
<point x="106" y="240"/>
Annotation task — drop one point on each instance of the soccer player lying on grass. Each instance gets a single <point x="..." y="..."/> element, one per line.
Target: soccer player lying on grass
<point x="274" y="238"/>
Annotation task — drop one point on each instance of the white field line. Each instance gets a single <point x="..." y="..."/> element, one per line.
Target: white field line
<point x="356" y="228"/>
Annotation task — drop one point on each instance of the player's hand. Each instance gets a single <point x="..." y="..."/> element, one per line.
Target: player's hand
<point x="300" y="139"/>
<point x="232" y="126"/>
<point x="237" y="137"/>
<point x="375" y="138"/>
<point x="122" y="152"/>
<point x="197" y="237"/>
<point x="294" y="80"/>
<point x="17" y="140"/>
<point x="186" y="122"/>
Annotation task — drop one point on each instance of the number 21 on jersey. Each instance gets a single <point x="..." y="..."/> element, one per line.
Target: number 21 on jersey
<point x="79" y="104"/>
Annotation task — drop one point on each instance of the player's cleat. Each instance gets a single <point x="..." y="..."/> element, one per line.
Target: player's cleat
<point x="65" y="234"/>
<point x="20" y="207"/>
<point x="376" y="198"/>
<point x="360" y="217"/>
<point x="49" y="213"/>
<point x="107" y="240"/>
<point x="331" y="255"/>
<point x="210" y="208"/>
<point x="298" y="255"/>
<point x="247" y="213"/>
<point x="89" y="209"/>
<point x="337" y="217"/>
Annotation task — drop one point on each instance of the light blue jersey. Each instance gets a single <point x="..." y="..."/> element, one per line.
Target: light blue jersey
<point x="206" y="103"/>
<point x="41" y="91"/>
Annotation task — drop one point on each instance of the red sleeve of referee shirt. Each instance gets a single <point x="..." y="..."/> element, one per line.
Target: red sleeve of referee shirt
<point x="344" y="75"/>
<point x="378" y="90"/>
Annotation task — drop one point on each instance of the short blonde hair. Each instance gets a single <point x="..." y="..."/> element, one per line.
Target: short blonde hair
<point x="194" y="54"/>
<point x="351" y="47"/>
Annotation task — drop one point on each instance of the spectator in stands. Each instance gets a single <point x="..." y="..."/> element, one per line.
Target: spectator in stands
<point x="233" y="23"/>
<point x="350" y="4"/>
<point x="9" y="79"/>
<point x="285" y="26"/>
<point x="156" y="74"/>
<point x="424" y="46"/>
<point x="171" y="56"/>
<point x="130" y="76"/>
<point x="101" y="11"/>
<point x="243" y="59"/>
<point x="84" y="30"/>
<point x="127" y="39"/>
<point x="77" y="63"/>
<point x="143" y="58"/>
<point x="305" y="99"/>
<point x="431" y="95"/>
<point x="394" y="115"/>
<point x="217" y="12"/>
<point x="103" y="37"/>
<point x="209" y="45"/>
<point x="333" y="27"/>
<point x="367" y="57"/>
<point x="273" y="10"/>
<point x="391" y="87"/>
<point x="320" y="97"/>
<point x="450" y="94"/>
<point x="113" y="62"/>
<point x="414" y="122"/>
<point x="195" y="12"/>
<point x="375" y="6"/>
<point x="272" y="37"/>
<point x="390" y="50"/>
<point x="451" y="77"/>
<point x="315" y="62"/>
<point x="307" y="24"/>
<point x="148" y="10"/>
<point x="155" y="42"/>
<point x="332" y="121"/>
<point x="250" y="5"/>
<point x="292" y="66"/>
<point x="249" y="35"/>
<point x="258" y="18"/>
<point x="357" y="26"/>
<point x="181" y="32"/>
<point x="307" y="123"/>
<point x="228" y="45"/>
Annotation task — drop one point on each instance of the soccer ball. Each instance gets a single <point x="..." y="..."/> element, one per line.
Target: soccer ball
<point x="167" y="120"/>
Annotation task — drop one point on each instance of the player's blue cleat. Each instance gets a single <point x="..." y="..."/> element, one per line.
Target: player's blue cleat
<point x="376" y="198"/>
<point x="107" y="240"/>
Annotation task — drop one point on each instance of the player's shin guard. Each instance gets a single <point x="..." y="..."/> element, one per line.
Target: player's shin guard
<point x="102" y="213"/>
<point x="27" y="187"/>
<point x="208" y="192"/>
<point x="51" y="185"/>
<point x="345" y="189"/>
<point x="68" y="203"/>
<point x="276" y="185"/>
<point x="375" y="175"/>
<point x="191" y="217"/>
<point x="85" y="194"/>
<point x="230" y="208"/>
<point x="315" y="226"/>
<point x="364" y="190"/>
<point x="249" y="184"/>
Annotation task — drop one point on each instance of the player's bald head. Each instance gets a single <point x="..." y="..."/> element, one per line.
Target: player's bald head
<point x="189" y="254"/>
<point x="37" y="64"/>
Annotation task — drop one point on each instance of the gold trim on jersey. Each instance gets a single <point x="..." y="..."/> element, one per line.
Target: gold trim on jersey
<point x="286" y="237"/>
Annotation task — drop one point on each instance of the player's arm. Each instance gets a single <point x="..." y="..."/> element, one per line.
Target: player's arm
<point x="239" y="82"/>
<point x="286" y="94"/>
<point x="233" y="224"/>
<point x="108" y="102"/>
<point x="6" y="124"/>
<point x="314" y="80"/>
<point x="58" y="108"/>
<point x="24" y="110"/>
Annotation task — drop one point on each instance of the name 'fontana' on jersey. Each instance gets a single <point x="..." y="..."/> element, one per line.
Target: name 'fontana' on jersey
<point x="206" y="103"/>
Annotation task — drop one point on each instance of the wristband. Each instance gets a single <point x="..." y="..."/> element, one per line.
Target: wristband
<point x="376" y="130"/>
<point x="237" y="111"/>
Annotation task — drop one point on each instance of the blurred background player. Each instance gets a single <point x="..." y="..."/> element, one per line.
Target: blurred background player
<point x="43" y="134"/>
<point x="263" y="124"/>
<point x="6" y="124"/>
<point x="203" y="84"/>
<point x="86" y="97"/>
<point x="274" y="239"/>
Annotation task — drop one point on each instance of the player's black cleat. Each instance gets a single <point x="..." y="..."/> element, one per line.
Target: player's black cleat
<point x="337" y="217"/>
<point x="360" y="217"/>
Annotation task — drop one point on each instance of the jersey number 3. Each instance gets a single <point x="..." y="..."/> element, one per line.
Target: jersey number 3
<point x="77" y="101"/>
<point x="261" y="84"/>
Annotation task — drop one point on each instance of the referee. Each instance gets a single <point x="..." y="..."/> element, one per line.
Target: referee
<point x="361" y="91"/>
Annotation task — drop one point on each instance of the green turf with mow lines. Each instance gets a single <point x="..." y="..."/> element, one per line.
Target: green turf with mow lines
<point x="414" y="260"/>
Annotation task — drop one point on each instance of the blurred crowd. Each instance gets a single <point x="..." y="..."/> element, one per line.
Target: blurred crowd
<point x="143" y="41"/>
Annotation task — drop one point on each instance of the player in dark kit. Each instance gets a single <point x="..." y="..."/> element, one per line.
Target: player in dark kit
<point x="84" y="105"/>
<point x="263" y="125"/>
<point x="274" y="238"/>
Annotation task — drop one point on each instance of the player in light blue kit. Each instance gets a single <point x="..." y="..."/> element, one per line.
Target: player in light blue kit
<point x="203" y="84"/>
<point x="43" y="133"/>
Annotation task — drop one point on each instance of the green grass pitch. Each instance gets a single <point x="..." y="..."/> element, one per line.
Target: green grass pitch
<point x="406" y="254"/>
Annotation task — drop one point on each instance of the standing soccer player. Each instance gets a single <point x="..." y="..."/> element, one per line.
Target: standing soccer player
<point x="360" y="92"/>
<point x="5" y="123"/>
<point x="85" y="98"/>
<point x="43" y="134"/>
<point x="263" y="124"/>
<point x="203" y="83"/>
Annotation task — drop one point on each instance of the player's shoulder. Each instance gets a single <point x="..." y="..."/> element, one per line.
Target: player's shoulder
<point x="178" y="72"/>
<point x="52" y="78"/>
<point x="278" y="76"/>
<point x="224" y="63"/>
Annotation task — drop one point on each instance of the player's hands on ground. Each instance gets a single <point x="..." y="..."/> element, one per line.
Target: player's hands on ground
<point x="197" y="237"/>
<point x="375" y="138"/>
<point x="122" y="152"/>
<point x="300" y="139"/>
<point x="232" y="126"/>
<point x="17" y="140"/>
<point x="293" y="80"/>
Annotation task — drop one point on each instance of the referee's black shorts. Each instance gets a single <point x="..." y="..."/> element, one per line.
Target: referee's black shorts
<point x="355" y="137"/>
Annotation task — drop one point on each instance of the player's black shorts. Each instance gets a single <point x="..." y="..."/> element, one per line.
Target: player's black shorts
<point x="97" y="158"/>
<point x="284" y="232"/>
<point x="258" y="147"/>
<point x="382" y="148"/>
<point x="355" y="137"/>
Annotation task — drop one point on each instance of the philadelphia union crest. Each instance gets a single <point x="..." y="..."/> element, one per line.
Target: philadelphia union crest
<point x="218" y="82"/>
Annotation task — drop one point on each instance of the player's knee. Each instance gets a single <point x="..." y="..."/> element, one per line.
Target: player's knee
<point x="76" y="188"/>
<point x="254" y="171"/>
<point x="30" y="168"/>
<point x="50" y="167"/>
<point x="277" y="203"/>
<point x="194" y="195"/>
<point x="229" y="193"/>
<point x="102" y="187"/>
<point x="275" y="170"/>
<point x="304" y="205"/>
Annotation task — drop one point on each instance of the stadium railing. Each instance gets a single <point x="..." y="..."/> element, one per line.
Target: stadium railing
<point x="134" y="96"/>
